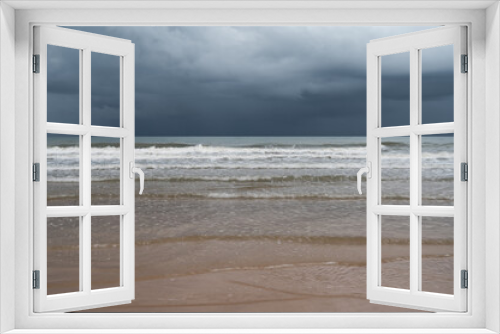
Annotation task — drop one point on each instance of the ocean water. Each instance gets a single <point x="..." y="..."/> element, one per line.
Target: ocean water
<point x="265" y="209"/>
<point x="300" y="180"/>
<point x="293" y="167"/>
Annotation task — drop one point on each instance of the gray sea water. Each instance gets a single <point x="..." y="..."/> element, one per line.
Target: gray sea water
<point x="302" y="167"/>
<point x="204" y="195"/>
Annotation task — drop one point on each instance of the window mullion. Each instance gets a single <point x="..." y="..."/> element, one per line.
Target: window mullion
<point x="85" y="234"/>
<point x="81" y="226"/>
<point x="414" y="170"/>
<point x="418" y="81"/>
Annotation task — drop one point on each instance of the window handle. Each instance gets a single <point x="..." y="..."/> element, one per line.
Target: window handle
<point x="368" y="171"/>
<point x="134" y="170"/>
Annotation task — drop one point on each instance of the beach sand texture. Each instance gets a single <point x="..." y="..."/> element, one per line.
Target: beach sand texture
<point x="277" y="239"/>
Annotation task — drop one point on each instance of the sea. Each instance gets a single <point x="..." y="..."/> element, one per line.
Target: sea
<point x="213" y="204"/>
<point x="293" y="167"/>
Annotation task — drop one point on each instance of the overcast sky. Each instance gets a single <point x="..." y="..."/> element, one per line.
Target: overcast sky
<point x="250" y="81"/>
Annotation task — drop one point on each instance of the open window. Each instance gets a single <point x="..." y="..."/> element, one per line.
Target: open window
<point x="415" y="212"/>
<point x="18" y="17"/>
<point x="65" y="225"/>
<point x="93" y="234"/>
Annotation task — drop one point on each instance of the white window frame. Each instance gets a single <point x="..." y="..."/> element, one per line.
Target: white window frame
<point x="85" y="44"/>
<point x="483" y="21"/>
<point x="413" y="44"/>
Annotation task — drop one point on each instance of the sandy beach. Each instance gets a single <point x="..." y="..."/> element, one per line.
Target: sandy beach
<point x="241" y="225"/>
<point x="198" y="272"/>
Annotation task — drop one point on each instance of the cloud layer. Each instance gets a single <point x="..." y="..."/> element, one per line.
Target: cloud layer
<point x="240" y="81"/>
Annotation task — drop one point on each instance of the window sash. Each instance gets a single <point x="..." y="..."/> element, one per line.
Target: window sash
<point x="475" y="321"/>
<point x="412" y="43"/>
<point x="86" y="43"/>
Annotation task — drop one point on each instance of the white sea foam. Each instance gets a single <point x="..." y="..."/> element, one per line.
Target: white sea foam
<point x="227" y="163"/>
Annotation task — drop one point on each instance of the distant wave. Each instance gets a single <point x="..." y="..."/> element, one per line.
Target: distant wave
<point x="243" y="165"/>
<point x="159" y="145"/>
<point x="242" y="179"/>
<point x="250" y="178"/>
<point x="394" y="144"/>
<point x="172" y="161"/>
<point x="54" y="177"/>
<point x="105" y="145"/>
<point x="258" y="146"/>
<point x="186" y="156"/>
<point x="181" y="145"/>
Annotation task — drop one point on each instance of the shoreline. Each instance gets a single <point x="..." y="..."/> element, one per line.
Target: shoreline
<point x="233" y="255"/>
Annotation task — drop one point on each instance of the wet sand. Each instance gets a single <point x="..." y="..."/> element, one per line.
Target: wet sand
<point x="213" y="255"/>
<point x="254" y="276"/>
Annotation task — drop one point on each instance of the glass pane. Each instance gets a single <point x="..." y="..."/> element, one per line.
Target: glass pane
<point x="395" y="80"/>
<point x="63" y="170"/>
<point x="105" y="90"/>
<point x="395" y="251"/>
<point x="437" y="170"/>
<point x="437" y="84"/>
<point x="106" y="154"/>
<point x="437" y="254"/>
<point x="63" y="255"/>
<point x="63" y="85"/>
<point x="395" y="170"/>
<point x="105" y="252"/>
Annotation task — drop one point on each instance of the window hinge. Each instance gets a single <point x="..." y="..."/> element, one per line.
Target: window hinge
<point x="36" y="63"/>
<point x="464" y="167"/>
<point x="36" y="172"/>
<point x="465" y="279"/>
<point x="36" y="279"/>
<point x="465" y="63"/>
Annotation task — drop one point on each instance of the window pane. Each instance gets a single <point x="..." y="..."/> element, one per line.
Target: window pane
<point x="63" y="170"/>
<point x="437" y="254"/>
<point x="63" y="85"/>
<point x="395" y="251"/>
<point x="105" y="252"/>
<point x="395" y="78"/>
<point x="395" y="170"/>
<point x="63" y="255"/>
<point x="106" y="162"/>
<point x="437" y="84"/>
<point x="437" y="170"/>
<point x="105" y="89"/>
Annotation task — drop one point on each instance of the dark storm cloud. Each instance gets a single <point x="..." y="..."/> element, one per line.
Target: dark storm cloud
<point x="105" y="90"/>
<point x="396" y="87"/>
<point x="62" y="85"/>
<point x="437" y="85"/>
<point x="246" y="80"/>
